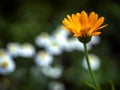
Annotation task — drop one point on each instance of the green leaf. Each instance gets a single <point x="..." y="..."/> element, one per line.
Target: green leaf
<point x="112" y="85"/>
<point x="90" y="85"/>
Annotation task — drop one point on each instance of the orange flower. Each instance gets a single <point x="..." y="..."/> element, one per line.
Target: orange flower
<point x="84" y="25"/>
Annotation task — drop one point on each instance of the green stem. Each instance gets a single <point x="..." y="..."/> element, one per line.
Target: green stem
<point x="89" y="68"/>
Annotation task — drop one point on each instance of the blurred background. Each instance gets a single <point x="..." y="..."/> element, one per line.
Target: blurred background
<point x="37" y="54"/>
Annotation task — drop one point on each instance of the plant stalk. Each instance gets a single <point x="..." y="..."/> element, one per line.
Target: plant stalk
<point x="89" y="68"/>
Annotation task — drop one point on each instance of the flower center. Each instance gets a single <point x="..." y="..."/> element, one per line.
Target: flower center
<point x="43" y="54"/>
<point x="44" y="35"/>
<point x="84" y="31"/>
<point x="26" y="46"/>
<point x="2" y="53"/>
<point x="4" y="64"/>
<point x="54" y="44"/>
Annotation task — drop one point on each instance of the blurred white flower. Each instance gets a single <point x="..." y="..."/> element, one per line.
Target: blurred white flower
<point x="13" y="49"/>
<point x="77" y="45"/>
<point x="7" y="65"/>
<point x="3" y="53"/>
<point x="94" y="40"/>
<point x="60" y="39"/>
<point x="74" y="44"/>
<point x="53" y="72"/>
<point x="69" y="45"/>
<point x="43" y="59"/>
<point x="42" y="40"/>
<point x="61" y="32"/>
<point x="54" y="85"/>
<point x="27" y="50"/>
<point x="54" y="47"/>
<point x="94" y="62"/>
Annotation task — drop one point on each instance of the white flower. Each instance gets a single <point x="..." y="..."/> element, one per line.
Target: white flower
<point x="54" y="47"/>
<point x="54" y="85"/>
<point x="61" y="36"/>
<point x="94" y="62"/>
<point x="53" y="72"/>
<point x="77" y="45"/>
<point x="42" y="40"/>
<point x="60" y="39"/>
<point x="43" y="59"/>
<point x="61" y="32"/>
<point x="3" y="53"/>
<point x="69" y="45"/>
<point x="7" y="65"/>
<point x="13" y="49"/>
<point x="94" y="40"/>
<point x="27" y="50"/>
<point x="74" y="44"/>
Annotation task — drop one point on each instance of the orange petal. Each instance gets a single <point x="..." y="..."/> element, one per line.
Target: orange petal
<point x="69" y="18"/>
<point x="96" y="33"/>
<point x="68" y="29"/>
<point x="99" y="22"/>
<point x="97" y="25"/>
<point x="102" y="26"/>
<point x="78" y="15"/>
<point x="65" y="21"/>
<point x="83" y="18"/>
<point x="64" y="28"/>
<point x="75" y="19"/>
<point x="92" y="18"/>
<point x="76" y="34"/>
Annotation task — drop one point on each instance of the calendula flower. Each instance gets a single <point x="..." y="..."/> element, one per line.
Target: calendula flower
<point x="84" y="26"/>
